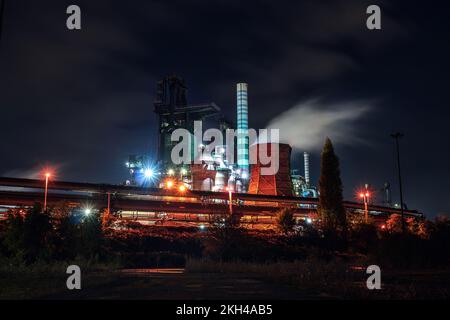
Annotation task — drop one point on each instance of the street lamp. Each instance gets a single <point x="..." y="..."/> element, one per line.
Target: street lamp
<point x="183" y="172"/>
<point x="169" y="184"/>
<point x="148" y="173"/>
<point x="397" y="136"/>
<point x="47" y="176"/>
<point x="230" y="194"/>
<point x="365" y="196"/>
<point x="107" y="214"/>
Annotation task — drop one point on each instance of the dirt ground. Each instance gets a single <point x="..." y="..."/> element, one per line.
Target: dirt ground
<point x="175" y="284"/>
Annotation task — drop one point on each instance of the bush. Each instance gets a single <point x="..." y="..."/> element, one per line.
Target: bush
<point x="29" y="238"/>
<point x="285" y="221"/>
<point x="364" y="237"/>
<point x="38" y="236"/>
<point x="92" y="237"/>
<point x="224" y="242"/>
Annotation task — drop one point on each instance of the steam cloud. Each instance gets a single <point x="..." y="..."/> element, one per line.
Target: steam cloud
<point x="306" y="125"/>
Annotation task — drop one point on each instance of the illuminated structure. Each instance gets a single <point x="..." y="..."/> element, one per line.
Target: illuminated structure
<point x="242" y="128"/>
<point x="306" y="160"/>
<point x="215" y="172"/>
<point x="298" y="183"/>
<point x="142" y="173"/>
<point x="301" y="184"/>
<point x="174" y="112"/>
<point x="278" y="184"/>
<point x="171" y="206"/>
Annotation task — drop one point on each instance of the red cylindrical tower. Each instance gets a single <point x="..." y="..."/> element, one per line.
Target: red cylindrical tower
<point x="277" y="184"/>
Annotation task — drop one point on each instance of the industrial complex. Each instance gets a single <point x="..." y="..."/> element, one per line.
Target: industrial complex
<point x="160" y="192"/>
<point x="216" y="172"/>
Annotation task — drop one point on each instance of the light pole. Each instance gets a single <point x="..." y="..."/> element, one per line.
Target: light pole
<point x="106" y="215"/>
<point x="230" y="194"/>
<point x="47" y="176"/>
<point x="365" y="196"/>
<point x="397" y="136"/>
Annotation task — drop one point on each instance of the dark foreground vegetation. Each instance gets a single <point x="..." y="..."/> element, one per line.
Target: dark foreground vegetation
<point x="36" y="248"/>
<point x="324" y="258"/>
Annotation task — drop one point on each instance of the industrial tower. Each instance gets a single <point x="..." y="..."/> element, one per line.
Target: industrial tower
<point x="174" y="112"/>
<point x="242" y="129"/>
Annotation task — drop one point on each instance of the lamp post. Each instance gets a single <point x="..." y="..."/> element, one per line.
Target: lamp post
<point x="397" y="136"/>
<point x="47" y="176"/>
<point x="365" y="196"/>
<point x="107" y="214"/>
<point x="230" y="194"/>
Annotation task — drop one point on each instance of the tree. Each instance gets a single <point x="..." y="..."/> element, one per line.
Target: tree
<point x="413" y="226"/>
<point x="285" y="221"/>
<point x="66" y="233"/>
<point x="331" y="206"/>
<point x="14" y="240"/>
<point x="37" y="233"/>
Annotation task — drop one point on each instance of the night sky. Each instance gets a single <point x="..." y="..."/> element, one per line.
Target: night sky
<point x="82" y="101"/>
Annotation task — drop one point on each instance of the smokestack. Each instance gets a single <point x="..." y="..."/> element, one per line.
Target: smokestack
<point x="387" y="194"/>
<point x="242" y="127"/>
<point x="306" y="160"/>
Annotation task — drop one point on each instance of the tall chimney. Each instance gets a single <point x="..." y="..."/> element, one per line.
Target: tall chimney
<point x="306" y="160"/>
<point x="242" y="128"/>
<point x="387" y="194"/>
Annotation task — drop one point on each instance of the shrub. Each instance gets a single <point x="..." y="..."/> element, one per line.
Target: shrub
<point x="364" y="237"/>
<point x="285" y="221"/>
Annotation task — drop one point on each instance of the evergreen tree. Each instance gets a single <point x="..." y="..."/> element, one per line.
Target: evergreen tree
<point x="331" y="206"/>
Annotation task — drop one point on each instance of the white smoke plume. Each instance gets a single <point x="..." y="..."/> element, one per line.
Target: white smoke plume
<point x="306" y="125"/>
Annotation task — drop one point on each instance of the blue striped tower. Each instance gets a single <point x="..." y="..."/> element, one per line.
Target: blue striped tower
<point x="242" y="129"/>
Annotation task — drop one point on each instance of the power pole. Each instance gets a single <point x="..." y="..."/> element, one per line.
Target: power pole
<point x="397" y="136"/>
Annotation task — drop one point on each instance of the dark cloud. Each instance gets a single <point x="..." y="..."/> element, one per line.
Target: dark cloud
<point x="83" y="100"/>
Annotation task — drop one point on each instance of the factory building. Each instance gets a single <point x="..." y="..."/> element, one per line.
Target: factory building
<point x="215" y="172"/>
<point x="174" y="112"/>
<point x="301" y="184"/>
<point x="137" y="166"/>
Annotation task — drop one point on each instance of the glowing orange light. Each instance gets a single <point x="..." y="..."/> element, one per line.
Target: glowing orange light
<point x="367" y="194"/>
<point x="361" y="195"/>
<point x="383" y="226"/>
<point x="182" y="188"/>
<point x="169" y="184"/>
<point x="47" y="172"/>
